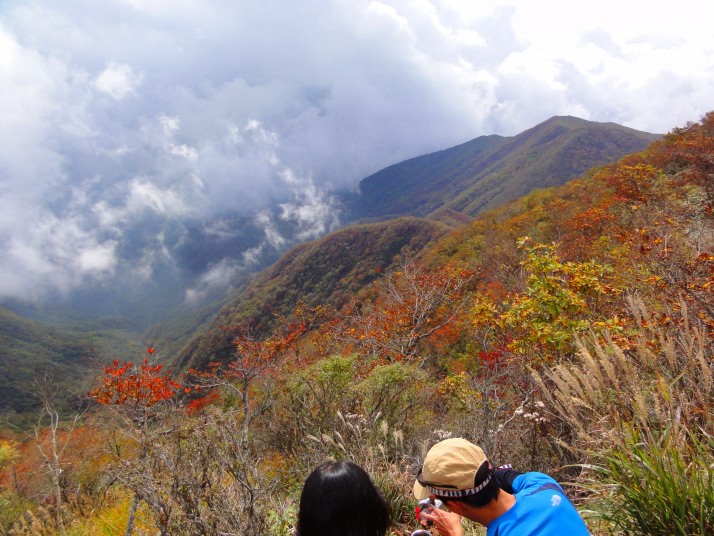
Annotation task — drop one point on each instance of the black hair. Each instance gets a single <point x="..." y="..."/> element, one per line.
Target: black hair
<point x="339" y="498"/>
<point x="486" y="495"/>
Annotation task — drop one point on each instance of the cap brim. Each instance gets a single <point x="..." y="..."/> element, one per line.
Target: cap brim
<point x="420" y="492"/>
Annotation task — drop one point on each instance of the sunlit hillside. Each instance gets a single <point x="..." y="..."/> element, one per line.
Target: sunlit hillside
<point x="491" y="170"/>
<point x="568" y="331"/>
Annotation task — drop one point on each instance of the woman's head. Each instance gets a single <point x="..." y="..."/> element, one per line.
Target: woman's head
<point x="339" y="498"/>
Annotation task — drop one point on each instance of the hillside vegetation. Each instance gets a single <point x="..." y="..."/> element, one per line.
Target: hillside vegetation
<point x="68" y="351"/>
<point x="112" y="321"/>
<point x="570" y="331"/>
<point x="28" y="350"/>
<point x="324" y="272"/>
<point x="491" y="170"/>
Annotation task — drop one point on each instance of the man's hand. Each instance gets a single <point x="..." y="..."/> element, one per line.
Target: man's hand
<point x="448" y="523"/>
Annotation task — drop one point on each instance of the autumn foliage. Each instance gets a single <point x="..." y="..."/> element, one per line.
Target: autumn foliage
<point x="144" y="385"/>
<point x="405" y="309"/>
<point x="520" y="331"/>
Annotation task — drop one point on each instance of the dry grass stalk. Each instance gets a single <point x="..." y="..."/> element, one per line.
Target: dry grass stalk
<point x="665" y="376"/>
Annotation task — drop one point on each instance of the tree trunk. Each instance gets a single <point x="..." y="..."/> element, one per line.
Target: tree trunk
<point x="132" y="515"/>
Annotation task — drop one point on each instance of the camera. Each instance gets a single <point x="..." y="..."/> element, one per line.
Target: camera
<point x="425" y="505"/>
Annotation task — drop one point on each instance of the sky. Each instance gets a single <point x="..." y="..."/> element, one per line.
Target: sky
<point x="145" y="116"/>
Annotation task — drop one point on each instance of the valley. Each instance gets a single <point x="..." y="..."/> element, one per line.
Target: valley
<point x="567" y="330"/>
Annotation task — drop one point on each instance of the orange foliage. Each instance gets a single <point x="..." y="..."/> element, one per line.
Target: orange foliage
<point x="411" y="305"/>
<point x="144" y="386"/>
<point x="198" y="404"/>
<point x="84" y="461"/>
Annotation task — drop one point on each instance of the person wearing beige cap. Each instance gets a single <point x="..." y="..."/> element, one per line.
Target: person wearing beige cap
<point x="506" y="502"/>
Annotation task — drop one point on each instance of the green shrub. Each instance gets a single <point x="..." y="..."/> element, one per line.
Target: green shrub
<point x="660" y="487"/>
<point x="397" y="393"/>
<point x="282" y="520"/>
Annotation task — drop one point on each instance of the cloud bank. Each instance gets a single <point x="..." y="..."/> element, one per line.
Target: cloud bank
<point x="127" y="121"/>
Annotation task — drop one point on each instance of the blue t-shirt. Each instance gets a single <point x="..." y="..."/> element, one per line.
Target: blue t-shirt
<point x="541" y="509"/>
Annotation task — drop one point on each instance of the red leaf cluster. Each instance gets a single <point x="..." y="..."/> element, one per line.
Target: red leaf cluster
<point x="124" y="383"/>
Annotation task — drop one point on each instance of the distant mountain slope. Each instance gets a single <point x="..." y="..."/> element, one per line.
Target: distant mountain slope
<point x="449" y="187"/>
<point x="491" y="170"/>
<point x="28" y="350"/>
<point x="70" y="350"/>
<point x="324" y="272"/>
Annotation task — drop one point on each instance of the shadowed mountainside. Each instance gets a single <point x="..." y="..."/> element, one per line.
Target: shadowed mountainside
<point x="28" y="351"/>
<point x="490" y="170"/>
<point x="449" y="187"/>
<point x="326" y="271"/>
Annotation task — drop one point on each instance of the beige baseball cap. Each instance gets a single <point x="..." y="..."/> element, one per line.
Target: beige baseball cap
<point x="450" y="469"/>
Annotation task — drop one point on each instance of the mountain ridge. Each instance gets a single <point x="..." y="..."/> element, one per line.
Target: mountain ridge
<point x="490" y="170"/>
<point x="440" y="194"/>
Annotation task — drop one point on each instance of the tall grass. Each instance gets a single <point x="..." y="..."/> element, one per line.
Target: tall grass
<point x="664" y="375"/>
<point x="658" y="487"/>
<point x="641" y="415"/>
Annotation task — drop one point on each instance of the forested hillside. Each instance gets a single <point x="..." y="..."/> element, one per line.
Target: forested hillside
<point x="491" y="170"/>
<point x="111" y="321"/>
<point x="29" y="348"/>
<point x="69" y="352"/>
<point x="570" y="331"/>
<point x="326" y="272"/>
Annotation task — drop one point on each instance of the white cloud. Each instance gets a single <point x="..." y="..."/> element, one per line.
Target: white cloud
<point x="100" y="258"/>
<point x="118" y="81"/>
<point x="264" y="220"/>
<point x="51" y="255"/>
<point x="143" y="112"/>
<point x="313" y="211"/>
<point x="253" y="256"/>
<point x="218" y="276"/>
<point x="184" y="151"/>
<point x="144" y="195"/>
